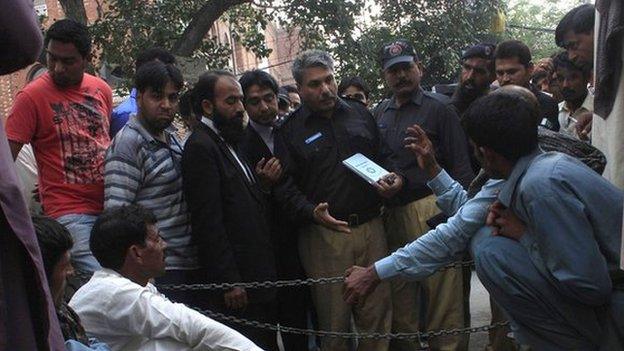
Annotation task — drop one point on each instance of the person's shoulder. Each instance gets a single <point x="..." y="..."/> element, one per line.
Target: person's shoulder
<point x="96" y="82"/>
<point x="380" y="107"/>
<point x="290" y="119"/>
<point x="39" y="85"/>
<point x="127" y="142"/>
<point x="545" y="99"/>
<point x="436" y="97"/>
<point x="355" y="105"/>
<point x="549" y="171"/>
<point x="200" y="138"/>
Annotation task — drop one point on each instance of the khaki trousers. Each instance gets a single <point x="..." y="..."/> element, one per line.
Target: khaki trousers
<point x="441" y="295"/>
<point x="327" y="253"/>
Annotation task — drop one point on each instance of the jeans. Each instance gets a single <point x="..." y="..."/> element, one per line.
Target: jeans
<point x="79" y="226"/>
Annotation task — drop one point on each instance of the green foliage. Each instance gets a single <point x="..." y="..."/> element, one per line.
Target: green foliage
<point x="537" y="18"/>
<point x="130" y="26"/>
<point x="438" y="29"/>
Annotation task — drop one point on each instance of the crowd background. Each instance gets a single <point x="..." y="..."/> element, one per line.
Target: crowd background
<point x="560" y="84"/>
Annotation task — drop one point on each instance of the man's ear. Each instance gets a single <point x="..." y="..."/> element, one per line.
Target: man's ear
<point x="488" y="154"/>
<point x="421" y="67"/>
<point x="207" y="107"/>
<point x="134" y="254"/>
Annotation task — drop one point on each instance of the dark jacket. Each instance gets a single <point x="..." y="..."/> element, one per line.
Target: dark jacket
<point x="283" y="230"/>
<point x="227" y="214"/>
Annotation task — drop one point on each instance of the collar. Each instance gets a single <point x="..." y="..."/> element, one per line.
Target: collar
<point x="587" y="105"/>
<point x="261" y="128"/>
<point x="506" y="194"/>
<point x="416" y="99"/>
<point x="210" y="124"/>
<point x="135" y="124"/>
<point x="306" y="112"/>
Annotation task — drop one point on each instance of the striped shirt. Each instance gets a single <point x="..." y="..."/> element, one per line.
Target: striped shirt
<point x="142" y="170"/>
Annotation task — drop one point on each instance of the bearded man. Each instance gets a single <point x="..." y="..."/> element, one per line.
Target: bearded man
<point x="227" y="206"/>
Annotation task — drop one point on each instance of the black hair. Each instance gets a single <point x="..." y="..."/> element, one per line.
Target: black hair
<point x="72" y="32"/>
<point x="290" y="89"/>
<point x="353" y="81"/>
<point x="152" y="54"/>
<point x="579" y="20"/>
<point x="260" y="78"/>
<point x="204" y="89"/>
<point x="184" y="106"/>
<point x="116" y="230"/>
<point x="156" y="75"/>
<point x="54" y="241"/>
<point x="562" y="60"/>
<point x="503" y="121"/>
<point x="513" y="48"/>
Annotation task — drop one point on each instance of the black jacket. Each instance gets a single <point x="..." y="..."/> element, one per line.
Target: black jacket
<point x="283" y="229"/>
<point x="227" y="214"/>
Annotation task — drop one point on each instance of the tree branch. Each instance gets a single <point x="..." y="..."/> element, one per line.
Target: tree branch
<point x="200" y="24"/>
<point x="75" y="10"/>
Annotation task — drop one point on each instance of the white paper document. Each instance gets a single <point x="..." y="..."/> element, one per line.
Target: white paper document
<point x="365" y="168"/>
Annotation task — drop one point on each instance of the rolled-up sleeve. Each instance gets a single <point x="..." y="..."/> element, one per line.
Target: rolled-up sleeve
<point x="440" y="246"/>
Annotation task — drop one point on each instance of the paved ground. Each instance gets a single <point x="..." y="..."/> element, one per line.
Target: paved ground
<point x="479" y="313"/>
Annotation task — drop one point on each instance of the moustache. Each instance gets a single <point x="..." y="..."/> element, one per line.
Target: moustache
<point x="403" y="82"/>
<point x="328" y="96"/>
<point x="568" y="93"/>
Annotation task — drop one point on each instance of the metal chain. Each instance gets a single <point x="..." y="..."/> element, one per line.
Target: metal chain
<point x="350" y="335"/>
<point x="278" y="283"/>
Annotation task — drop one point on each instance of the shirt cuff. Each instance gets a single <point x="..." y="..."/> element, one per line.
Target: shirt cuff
<point x="385" y="268"/>
<point x="440" y="183"/>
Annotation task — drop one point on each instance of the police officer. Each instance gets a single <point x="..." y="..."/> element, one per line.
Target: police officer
<point x="339" y="212"/>
<point x="407" y="212"/>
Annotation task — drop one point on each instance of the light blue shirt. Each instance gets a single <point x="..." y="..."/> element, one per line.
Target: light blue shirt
<point x="574" y="223"/>
<point x="442" y="245"/>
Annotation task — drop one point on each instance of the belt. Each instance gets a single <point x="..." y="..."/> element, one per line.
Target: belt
<point x="356" y="219"/>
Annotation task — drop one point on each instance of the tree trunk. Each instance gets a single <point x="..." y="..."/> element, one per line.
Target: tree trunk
<point x="201" y="23"/>
<point x="75" y="10"/>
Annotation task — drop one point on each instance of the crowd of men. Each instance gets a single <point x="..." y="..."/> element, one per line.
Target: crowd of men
<point x="499" y="171"/>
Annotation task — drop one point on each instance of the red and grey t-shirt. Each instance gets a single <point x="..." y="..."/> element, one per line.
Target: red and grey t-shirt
<point x="68" y="129"/>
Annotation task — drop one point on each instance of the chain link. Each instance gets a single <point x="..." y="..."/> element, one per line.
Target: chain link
<point x="420" y="336"/>
<point x="278" y="283"/>
<point x="84" y="276"/>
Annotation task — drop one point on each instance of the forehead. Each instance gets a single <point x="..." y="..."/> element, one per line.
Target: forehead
<point x="508" y="63"/>
<point x="167" y="89"/>
<point x="316" y="73"/>
<point x="227" y="86"/>
<point x="353" y="89"/>
<point x="476" y="62"/>
<point x="400" y="66"/>
<point x="258" y="90"/>
<point x="62" y="50"/>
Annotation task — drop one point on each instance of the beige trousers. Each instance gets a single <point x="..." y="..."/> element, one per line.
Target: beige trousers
<point x="441" y="294"/>
<point x="327" y="253"/>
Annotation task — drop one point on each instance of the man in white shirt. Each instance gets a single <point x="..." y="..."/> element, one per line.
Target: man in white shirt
<point x="573" y="79"/>
<point x="121" y="307"/>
